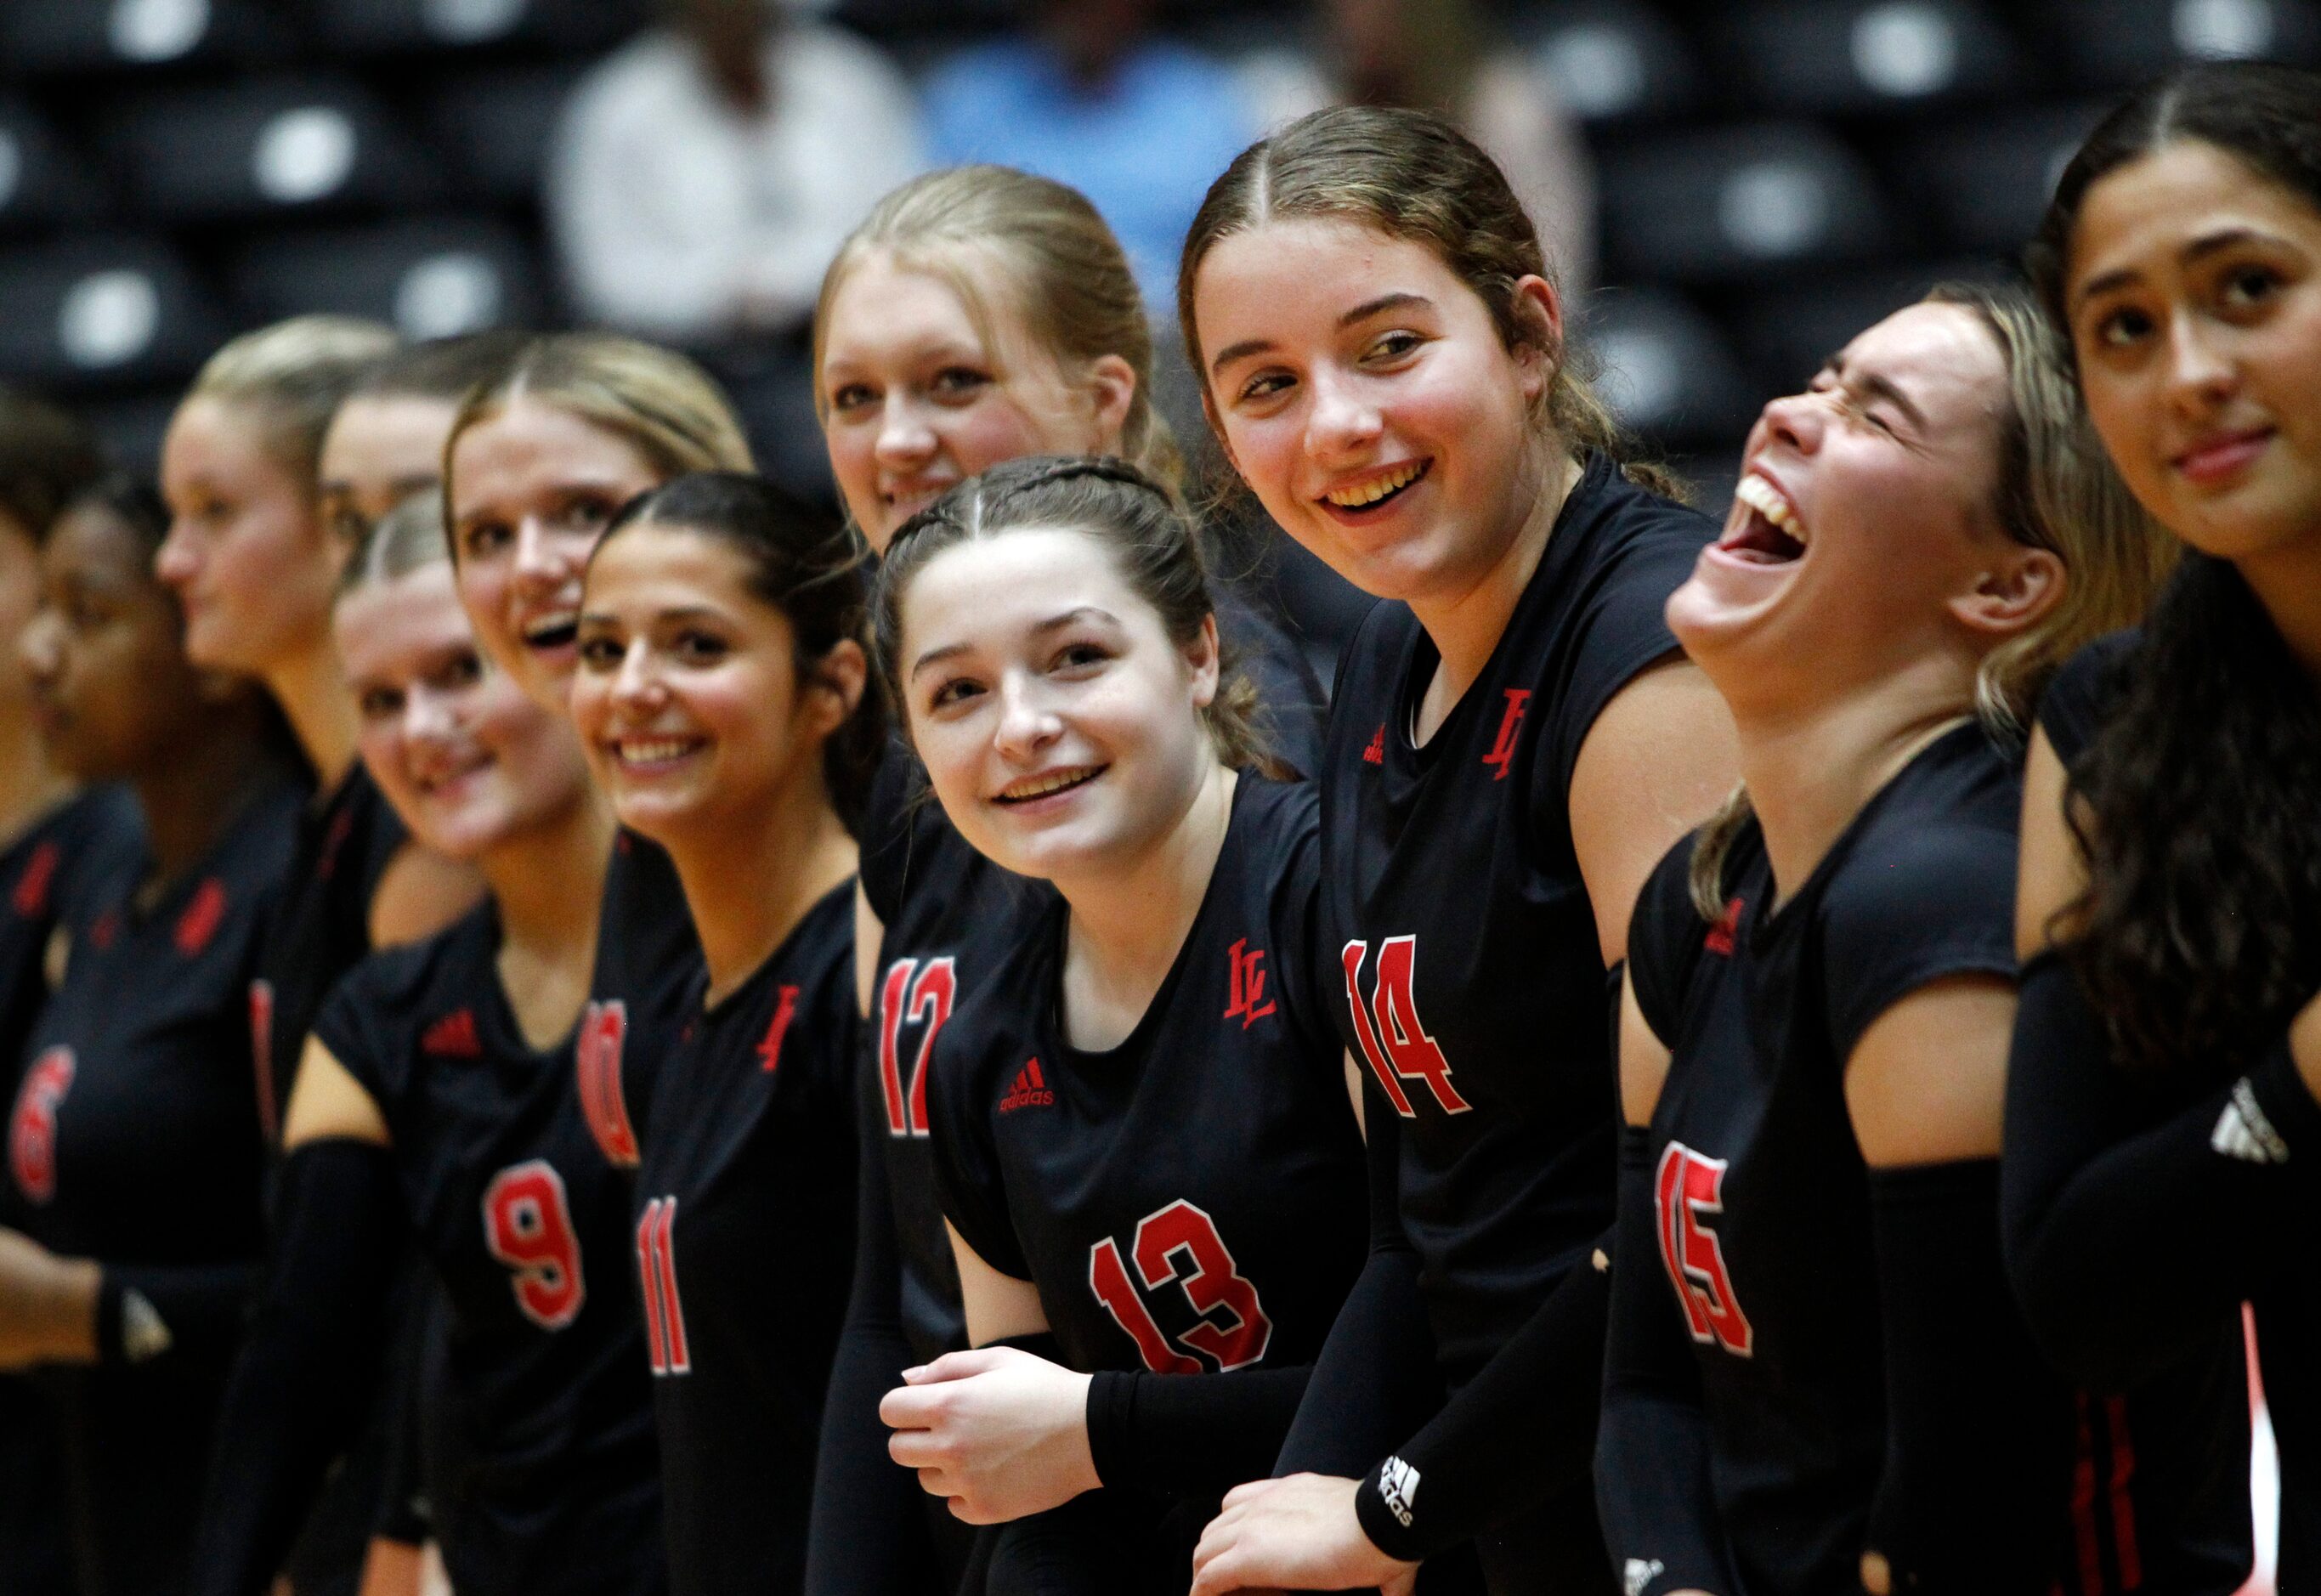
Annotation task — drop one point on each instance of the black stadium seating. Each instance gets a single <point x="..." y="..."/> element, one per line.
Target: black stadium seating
<point x="1772" y="174"/>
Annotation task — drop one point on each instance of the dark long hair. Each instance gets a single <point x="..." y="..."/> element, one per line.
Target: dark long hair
<point x="806" y="565"/>
<point x="2198" y="804"/>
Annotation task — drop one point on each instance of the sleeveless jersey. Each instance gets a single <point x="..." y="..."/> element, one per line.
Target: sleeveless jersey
<point x="1468" y="978"/>
<point x="136" y="1140"/>
<point x="529" y="1230"/>
<point x="744" y="1233"/>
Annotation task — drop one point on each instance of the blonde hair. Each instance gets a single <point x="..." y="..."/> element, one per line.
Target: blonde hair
<point x="2056" y="490"/>
<point x="1065" y="277"/>
<point x="659" y="402"/>
<point x="1411" y="175"/>
<point x="291" y="377"/>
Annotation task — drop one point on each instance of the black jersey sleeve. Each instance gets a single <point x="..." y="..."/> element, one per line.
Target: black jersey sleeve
<point x="1622" y="629"/>
<point x="2079" y="695"/>
<point x="1175" y="1436"/>
<point x="2134" y="1220"/>
<point x="1376" y="1378"/>
<point x="1652" y="1486"/>
<point x="307" y="1372"/>
<point x="1975" y="1425"/>
<point x="1939" y="901"/>
<point x="896" y="791"/>
<point x="967" y="1181"/>
<point x="864" y="1535"/>
<point x="1664" y="940"/>
<point x="1306" y="973"/>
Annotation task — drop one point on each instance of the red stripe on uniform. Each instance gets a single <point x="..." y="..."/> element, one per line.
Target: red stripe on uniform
<point x="2123" y="1500"/>
<point x="2083" y="1506"/>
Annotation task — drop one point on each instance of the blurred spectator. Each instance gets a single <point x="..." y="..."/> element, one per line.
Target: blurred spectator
<point x="1139" y="124"/>
<point x="1437" y="55"/>
<point x="705" y="173"/>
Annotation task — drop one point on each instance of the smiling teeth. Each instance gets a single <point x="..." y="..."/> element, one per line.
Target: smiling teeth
<point x="1761" y="497"/>
<point x="1033" y="787"/>
<point x="655" y="751"/>
<point x="1370" y="493"/>
<point x="562" y="621"/>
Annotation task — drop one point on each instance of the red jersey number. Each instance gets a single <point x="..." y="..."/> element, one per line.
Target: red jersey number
<point x="916" y="995"/>
<point x="665" y="1340"/>
<point x="1234" y="1329"/>
<point x="528" y="1227"/>
<point x="604" y="1031"/>
<point x="32" y="1127"/>
<point x="1395" y="1042"/>
<point x="1687" y="1189"/>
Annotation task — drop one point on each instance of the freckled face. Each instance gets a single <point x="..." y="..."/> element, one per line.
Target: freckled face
<point x="531" y="490"/>
<point x="1365" y="395"/>
<point x="2194" y="292"/>
<point x="914" y="400"/>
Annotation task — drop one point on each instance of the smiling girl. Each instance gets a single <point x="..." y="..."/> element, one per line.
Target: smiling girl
<point x="2166" y="1083"/>
<point x="1141" y="1129"/>
<point x="976" y="316"/>
<point x="437" y="1097"/>
<point x="721" y="696"/>
<point x="1818" y="1380"/>
<point x="1513" y="744"/>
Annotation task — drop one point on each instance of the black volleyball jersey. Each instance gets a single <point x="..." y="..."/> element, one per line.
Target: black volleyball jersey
<point x="81" y="855"/>
<point x="136" y="1140"/>
<point x="744" y="1236"/>
<point x="1469" y="981"/>
<point x="529" y="1231"/>
<point x="1190" y="1202"/>
<point x="321" y="926"/>
<point x="641" y="994"/>
<point x="1760" y="1194"/>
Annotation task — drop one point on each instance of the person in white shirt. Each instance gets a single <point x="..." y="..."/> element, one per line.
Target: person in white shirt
<point x="704" y="173"/>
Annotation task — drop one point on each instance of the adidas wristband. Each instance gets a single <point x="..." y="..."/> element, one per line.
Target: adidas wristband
<point x="1386" y="1503"/>
<point x="2286" y="1116"/>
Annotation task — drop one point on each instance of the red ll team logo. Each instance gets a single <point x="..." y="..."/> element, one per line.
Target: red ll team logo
<point x="1503" y="747"/>
<point x="32" y="1129"/>
<point x="1689" y="1188"/>
<point x="1248" y="1002"/>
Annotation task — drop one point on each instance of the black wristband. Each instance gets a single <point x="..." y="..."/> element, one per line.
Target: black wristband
<point x="1386" y="1503"/>
<point x="1111" y="1420"/>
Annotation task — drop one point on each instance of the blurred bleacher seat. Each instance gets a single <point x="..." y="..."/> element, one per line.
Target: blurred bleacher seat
<point x="99" y="313"/>
<point x="271" y="144"/>
<point x="428" y="276"/>
<point x="1739" y="202"/>
<point x="42" y="183"/>
<point x="58" y="37"/>
<point x="391" y="27"/>
<point x="1861" y="57"/>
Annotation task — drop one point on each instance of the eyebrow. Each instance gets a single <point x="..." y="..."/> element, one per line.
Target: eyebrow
<point x="2199" y="249"/>
<point x="1086" y="612"/>
<point x="1360" y="313"/>
<point x="1875" y="387"/>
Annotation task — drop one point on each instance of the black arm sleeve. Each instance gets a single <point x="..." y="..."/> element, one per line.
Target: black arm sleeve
<point x="1376" y="1377"/>
<point x="866" y="1535"/>
<point x="1976" y="1428"/>
<point x="306" y="1373"/>
<point x="2132" y="1225"/>
<point x="1652" y="1482"/>
<point x="1190" y="1436"/>
<point x="401" y="1516"/>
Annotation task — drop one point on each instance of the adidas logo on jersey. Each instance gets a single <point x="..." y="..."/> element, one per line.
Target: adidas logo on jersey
<point x="1639" y="1573"/>
<point x="1375" y="754"/>
<point x="1029" y="1090"/>
<point x="1719" y="939"/>
<point x="1398" y="1489"/>
<point x="453" y="1036"/>
<point x="2243" y="1132"/>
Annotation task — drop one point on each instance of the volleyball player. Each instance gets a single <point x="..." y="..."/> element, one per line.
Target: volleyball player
<point x="1818" y="1378"/>
<point x="252" y="554"/>
<point x="541" y="459"/>
<point x="58" y="844"/>
<point x="1511" y="747"/>
<point x="978" y="314"/>
<point x="2162" y="1098"/>
<point x="438" y="1095"/>
<point x="135" y="1149"/>
<point x="721" y="697"/>
<point x="385" y="439"/>
<point x="1142" y="1136"/>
